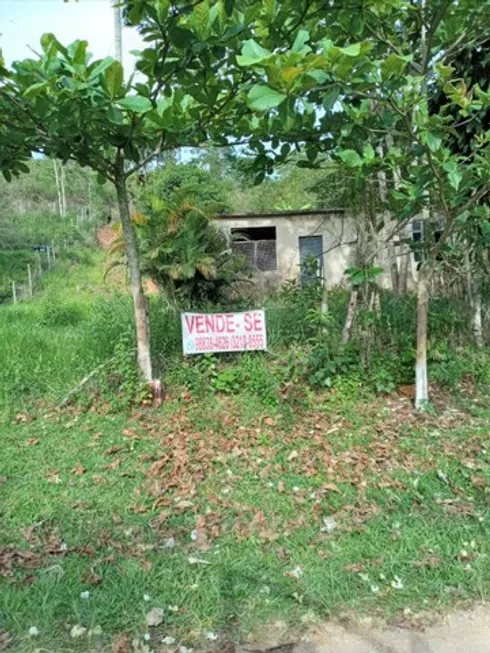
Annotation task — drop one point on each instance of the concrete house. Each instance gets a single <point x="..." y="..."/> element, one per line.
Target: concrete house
<point x="278" y="244"/>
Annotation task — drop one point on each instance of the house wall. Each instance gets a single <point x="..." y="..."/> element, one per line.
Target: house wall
<point x="338" y="233"/>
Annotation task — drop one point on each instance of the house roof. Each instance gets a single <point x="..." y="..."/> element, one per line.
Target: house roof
<point x="277" y="214"/>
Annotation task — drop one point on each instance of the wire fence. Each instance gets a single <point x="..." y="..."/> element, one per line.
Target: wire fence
<point x="45" y="259"/>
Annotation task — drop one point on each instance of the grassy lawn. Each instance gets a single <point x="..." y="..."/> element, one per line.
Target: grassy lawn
<point x="227" y="514"/>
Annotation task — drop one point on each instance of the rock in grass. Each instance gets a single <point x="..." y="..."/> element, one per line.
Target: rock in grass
<point x="154" y="617"/>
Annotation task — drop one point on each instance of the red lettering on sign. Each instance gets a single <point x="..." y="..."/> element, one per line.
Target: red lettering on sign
<point x="230" y="324"/>
<point x="220" y="324"/>
<point x="257" y="322"/>
<point x="200" y="326"/>
<point x="247" y="320"/>
<point x="209" y="323"/>
<point x="190" y="322"/>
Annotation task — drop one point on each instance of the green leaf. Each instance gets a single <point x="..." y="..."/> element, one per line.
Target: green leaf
<point x="454" y="175"/>
<point x="101" y="180"/>
<point x="229" y="6"/>
<point x="78" y="52"/>
<point x="353" y="50"/>
<point x="35" y="89"/>
<point x="136" y="103"/>
<point x="331" y="98"/>
<point x="115" y="115"/>
<point x="368" y="152"/>
<point x="114" y="77"/>
<point x="49" y="42"/>
<point x="264" y="98"/>
<point x="180" y="37"/>
<point x="162" y="7"/>
<point x="98" y="67"/>
<point x="252" y="53"/>
<point x="7" y="175"/>
<point x="433" y="141"/>
<point x="395" y="65"/>
<point x="300" y="42"/>
<point x="351" y="158"/>
<point x="455" y="179"/>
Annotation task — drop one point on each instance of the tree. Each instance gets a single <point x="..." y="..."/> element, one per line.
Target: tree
<point x="351" y="79"/>
<point x="66" y="107"/>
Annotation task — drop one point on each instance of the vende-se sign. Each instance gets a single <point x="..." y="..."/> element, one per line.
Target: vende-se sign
<point x="204" y="333"/>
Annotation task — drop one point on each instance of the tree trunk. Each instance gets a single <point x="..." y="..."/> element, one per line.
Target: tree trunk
<point x="58" y="187"/>
<point x="117" y="31"/>
<point x="140" y="307"/>
<point x="421" y="377"/>
<point x="63" y="190"/>
<point x="477" y="315"/>
<point x="404" y="267"/>
<point x="390" y="246"/>
<point x="350" y="317"/>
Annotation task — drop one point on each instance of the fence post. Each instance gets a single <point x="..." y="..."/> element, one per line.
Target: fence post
<point x="48" y="254"/>
<point x="14" y="293"/>
<point x="53" y="252"/>
<point x="29" y="278"/>
<point x="39" y="266"/>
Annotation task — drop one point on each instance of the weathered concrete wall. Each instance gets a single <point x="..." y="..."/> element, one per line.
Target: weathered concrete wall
<point x="339" y="236"/>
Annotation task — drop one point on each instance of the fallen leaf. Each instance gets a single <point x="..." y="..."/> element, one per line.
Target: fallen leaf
<point x="297" y="572"/>
<point x="92" y="578"/>
<point x="281" y="487"/>
<point x="292" y="455"/>
<point x="147" y="566"/>
<point x="78" y="470"/>
<point x="355" y="568"/>
<point x="268" y="421"/>
<point x="32" y="442"/>
<point x="154" y="617"/>
<point x="95" y="632"/>
<point x="138" y="509"/>
<point x="183" y="505"/>
<point x="116" y="463"/>
<point x="53" y="476"/>
<point x="3" y="479"/>
<point x="331" y="487"/>
<point x="121" y="643"/>
<point x="5" y="640"/>
<point x="112" y="450"/>
<point x="197" y="561"/>
<point x="429" y="562"/>
<point x="329" y="525"/>
<point x="77" y="631"/>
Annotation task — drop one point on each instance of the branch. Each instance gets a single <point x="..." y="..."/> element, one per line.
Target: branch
<point x="153" y="155"/>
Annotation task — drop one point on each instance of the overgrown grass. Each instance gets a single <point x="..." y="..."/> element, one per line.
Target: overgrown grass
<point x="82" y="320"/>
<point x="227" y="515"/>
<point x="269" y="485"/>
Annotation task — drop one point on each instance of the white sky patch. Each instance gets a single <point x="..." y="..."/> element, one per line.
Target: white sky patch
<point x="23" y="22"/>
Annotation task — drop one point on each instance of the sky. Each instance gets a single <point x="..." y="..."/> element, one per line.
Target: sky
<point x="23" y="22"/>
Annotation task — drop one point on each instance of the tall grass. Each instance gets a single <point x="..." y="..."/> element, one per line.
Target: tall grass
<point x="81" y="320"/>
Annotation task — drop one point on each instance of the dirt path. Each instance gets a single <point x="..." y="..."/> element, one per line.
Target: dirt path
<point x="459" y="632"/>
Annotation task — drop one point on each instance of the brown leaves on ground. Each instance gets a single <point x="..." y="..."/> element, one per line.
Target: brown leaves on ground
<point x="113" y="450"/>
<point x="121" y="643"/>
<point x="79" y="470"/>
<point x="6" y="640"/>
<point x="12" y="558"/>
